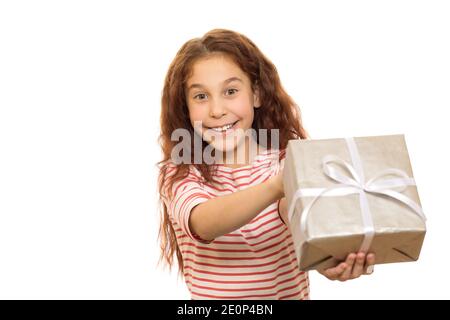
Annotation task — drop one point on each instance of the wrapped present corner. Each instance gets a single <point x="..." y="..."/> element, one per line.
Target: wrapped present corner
<point x="349" y="195"/>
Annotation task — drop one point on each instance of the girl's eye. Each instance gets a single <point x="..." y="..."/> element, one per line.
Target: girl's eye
<point x="200" y="96"/>
<point x="231" y="91"/>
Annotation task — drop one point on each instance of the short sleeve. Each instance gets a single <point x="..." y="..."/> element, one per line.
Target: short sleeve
<point x="186" y="194"/>
<point x="280" y="168"/>
<point x="280" y="162"/>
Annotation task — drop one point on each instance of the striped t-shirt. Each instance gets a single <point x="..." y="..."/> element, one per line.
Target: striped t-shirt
<point x="256" y="261"/>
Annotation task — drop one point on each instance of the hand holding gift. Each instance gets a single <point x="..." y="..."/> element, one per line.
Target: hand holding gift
<point x="352" y="195"/>
<point x="355" y="265"/>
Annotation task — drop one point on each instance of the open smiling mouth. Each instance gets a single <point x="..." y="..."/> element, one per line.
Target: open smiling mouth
<point x="224" y="128"/>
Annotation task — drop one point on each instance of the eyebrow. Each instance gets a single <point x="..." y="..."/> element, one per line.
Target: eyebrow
<point x="198" y="85"/>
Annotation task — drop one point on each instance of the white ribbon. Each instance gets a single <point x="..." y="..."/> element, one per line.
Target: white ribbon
<point x="355" y="183"/>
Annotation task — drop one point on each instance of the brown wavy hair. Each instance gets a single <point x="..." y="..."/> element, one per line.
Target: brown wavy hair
<point x="277" y="111"/>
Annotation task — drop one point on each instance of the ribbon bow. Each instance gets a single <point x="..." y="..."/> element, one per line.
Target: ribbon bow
<point x="355" y="183"/>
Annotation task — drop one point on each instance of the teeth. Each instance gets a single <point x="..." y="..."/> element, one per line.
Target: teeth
<point x="220" y="129"/>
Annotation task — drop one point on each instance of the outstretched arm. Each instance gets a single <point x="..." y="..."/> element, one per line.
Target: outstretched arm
<point x="222" y="215"/>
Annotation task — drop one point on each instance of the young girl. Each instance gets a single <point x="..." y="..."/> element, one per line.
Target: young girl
<point x="226" y="220"/>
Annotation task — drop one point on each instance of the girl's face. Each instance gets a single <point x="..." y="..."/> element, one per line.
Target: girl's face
<point x="220" y="96"/>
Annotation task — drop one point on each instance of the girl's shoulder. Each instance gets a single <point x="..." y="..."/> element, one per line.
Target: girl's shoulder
<point x="276" y="158"/>
<point x="275" y="154"/>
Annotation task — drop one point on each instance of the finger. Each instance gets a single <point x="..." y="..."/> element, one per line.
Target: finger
<point x="332" y="273"/>
<point x="336" y="272"/>
<point x="370" y="262"/>
<point x="358" y="268"/>
<point x="350" y="261"/>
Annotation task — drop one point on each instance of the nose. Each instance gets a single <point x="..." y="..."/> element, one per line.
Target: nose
<point x="216" y="109"/>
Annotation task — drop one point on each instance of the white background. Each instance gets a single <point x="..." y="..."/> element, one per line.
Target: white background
<point x="80" y="88"/>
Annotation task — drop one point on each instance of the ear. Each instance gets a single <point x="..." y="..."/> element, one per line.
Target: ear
<point x="256" y="98"/>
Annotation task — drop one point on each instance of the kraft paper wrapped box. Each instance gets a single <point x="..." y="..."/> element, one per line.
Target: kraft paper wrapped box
<point x="349" y="195"/>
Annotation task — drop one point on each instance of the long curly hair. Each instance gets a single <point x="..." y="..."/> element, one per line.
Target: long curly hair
<point x="277" y="111"/>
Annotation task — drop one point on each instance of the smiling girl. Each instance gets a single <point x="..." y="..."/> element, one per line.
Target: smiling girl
<point x="226" y="221"/>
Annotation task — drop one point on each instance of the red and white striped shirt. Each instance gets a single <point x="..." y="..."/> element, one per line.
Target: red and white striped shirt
<point x="256" y="261"/>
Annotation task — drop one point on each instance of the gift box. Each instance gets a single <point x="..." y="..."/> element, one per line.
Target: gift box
<point x="349" y="195"/>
